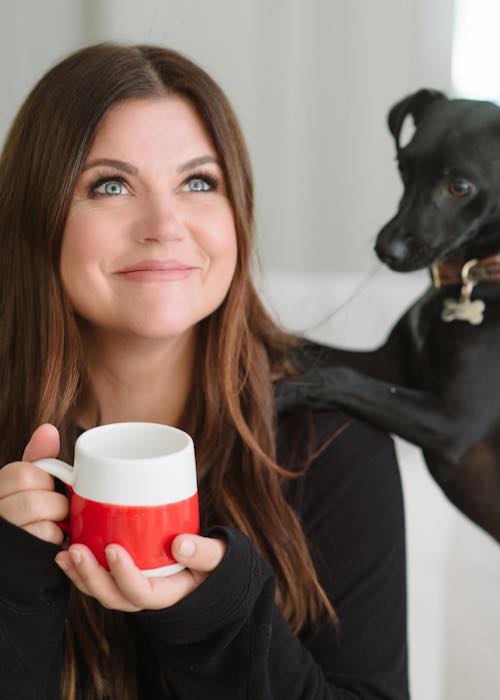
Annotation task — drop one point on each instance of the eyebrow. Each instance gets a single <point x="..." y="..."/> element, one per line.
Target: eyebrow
<point x="133" y="170"/>
<point x="113" y="163"/>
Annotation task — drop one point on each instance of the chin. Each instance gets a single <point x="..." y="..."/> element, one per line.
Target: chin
<point x="159" y="331"/>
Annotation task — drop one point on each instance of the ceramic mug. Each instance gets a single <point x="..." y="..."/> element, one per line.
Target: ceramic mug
<point x="132" y="484"/>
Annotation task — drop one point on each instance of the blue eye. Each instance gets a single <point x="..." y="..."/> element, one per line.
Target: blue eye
<point x="109" y="187"/>
<point x="201" y="182"/>
<point x="197" y="184"/>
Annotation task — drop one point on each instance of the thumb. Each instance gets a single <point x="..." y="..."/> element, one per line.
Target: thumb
<point x="43" y="443"/>
<point x="199" y="553"/>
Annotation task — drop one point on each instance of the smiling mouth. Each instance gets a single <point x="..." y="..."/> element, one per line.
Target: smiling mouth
<point x="156" y="270"/>
<point x="167" y="275"/>
<point x="153" y="264"/>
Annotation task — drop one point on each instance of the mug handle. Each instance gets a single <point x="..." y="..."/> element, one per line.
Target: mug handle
<point x="58" y="468"/>
<point x="62" y="471"/>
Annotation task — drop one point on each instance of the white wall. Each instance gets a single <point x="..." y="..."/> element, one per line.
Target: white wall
<point x="33" y="36"/>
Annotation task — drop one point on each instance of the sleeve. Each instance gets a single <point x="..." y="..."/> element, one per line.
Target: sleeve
<point x="33" y="598"/>
<point x="229" y="639"/>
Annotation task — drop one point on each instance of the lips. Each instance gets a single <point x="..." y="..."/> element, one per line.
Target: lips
<point x="157" y="271"/>
<point x="156" y="266"/>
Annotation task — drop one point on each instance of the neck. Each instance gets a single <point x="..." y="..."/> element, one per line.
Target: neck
<point x="136" y="380"/>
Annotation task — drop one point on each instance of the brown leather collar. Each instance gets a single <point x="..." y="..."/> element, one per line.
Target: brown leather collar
<point x="470" y="272"/>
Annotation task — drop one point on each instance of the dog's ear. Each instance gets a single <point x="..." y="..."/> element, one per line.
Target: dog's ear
<point x="415" y="105"/>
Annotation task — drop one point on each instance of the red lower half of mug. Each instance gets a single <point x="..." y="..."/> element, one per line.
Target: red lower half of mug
<point x="146" y="532"/>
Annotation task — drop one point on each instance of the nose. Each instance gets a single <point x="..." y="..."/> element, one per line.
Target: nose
<point x="161" y="222"/>
<point x="392" y="252"/>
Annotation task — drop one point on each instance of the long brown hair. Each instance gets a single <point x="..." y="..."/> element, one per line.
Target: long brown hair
<point x="240" y="350"/>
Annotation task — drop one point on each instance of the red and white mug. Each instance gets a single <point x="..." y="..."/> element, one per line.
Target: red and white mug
<point x="132" y="484"/>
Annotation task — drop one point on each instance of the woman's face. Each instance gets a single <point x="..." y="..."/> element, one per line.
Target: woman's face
<point x="151" y="195"/>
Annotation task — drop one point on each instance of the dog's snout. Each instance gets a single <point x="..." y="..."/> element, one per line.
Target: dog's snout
<point x="392" y="252"/>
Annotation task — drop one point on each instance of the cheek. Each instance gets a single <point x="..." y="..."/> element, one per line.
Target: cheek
<point x="84" y="242"/>
<point x="223" y="267"/>
<point x="83" y="246"/>
<point x="228" y="253"/>
<point x="222" y="245"/>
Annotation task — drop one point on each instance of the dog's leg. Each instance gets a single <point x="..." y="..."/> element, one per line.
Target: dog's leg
<point x="414" y="415"/>
<point x="390" y="362"/>
<point x="464" y="464"/>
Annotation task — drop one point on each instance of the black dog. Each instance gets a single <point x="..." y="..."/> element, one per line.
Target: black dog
<point x="436" y="381"/>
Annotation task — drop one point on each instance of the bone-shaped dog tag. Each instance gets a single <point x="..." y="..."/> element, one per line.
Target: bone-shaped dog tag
<point x="463" y="310"/>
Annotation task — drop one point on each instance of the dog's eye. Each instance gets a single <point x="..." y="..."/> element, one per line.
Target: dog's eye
<point x="460" y="187"/>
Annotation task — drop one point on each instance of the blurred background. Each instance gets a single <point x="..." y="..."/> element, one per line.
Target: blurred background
<point x="312" y="82"/>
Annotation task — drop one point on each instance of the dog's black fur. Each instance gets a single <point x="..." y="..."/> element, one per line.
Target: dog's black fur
<point x="434" y="383"/>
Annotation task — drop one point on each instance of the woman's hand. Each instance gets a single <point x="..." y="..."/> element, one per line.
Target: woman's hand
<point x="126" y="588"/>
<point x="27" y="495"/>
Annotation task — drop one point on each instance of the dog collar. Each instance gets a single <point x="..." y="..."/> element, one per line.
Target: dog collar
<point x="473" y="271"/>
<point x="468" y="274"/>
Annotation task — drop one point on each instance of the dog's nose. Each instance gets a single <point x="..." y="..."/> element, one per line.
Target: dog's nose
<point x="392" y="252"/>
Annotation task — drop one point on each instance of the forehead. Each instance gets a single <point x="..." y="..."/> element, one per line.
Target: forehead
<point x="143" y="126"/>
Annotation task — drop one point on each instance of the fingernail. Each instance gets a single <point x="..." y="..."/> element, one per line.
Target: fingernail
<point x="61" y="563"/>
<point x="187" y="548"/>
<point x="76" y="557"/>
<point x="111" y="555"/>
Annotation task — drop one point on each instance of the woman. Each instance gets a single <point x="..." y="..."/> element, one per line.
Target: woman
<point x="126" y="218"/>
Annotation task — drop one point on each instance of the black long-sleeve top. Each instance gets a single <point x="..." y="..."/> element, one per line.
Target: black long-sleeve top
<point x="228" y="639"/>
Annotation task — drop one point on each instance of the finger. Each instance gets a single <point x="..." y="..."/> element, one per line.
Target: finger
<point x="23" y="476"/>
<point x="43" y="443"/>
<point x="88" y="574"/>
<point x="32" y="506"/>
<point x="147" y="593"/>
<point x="64" y="561"/>
<point x="46" y="530"/>
<point x="199" y="553"/>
